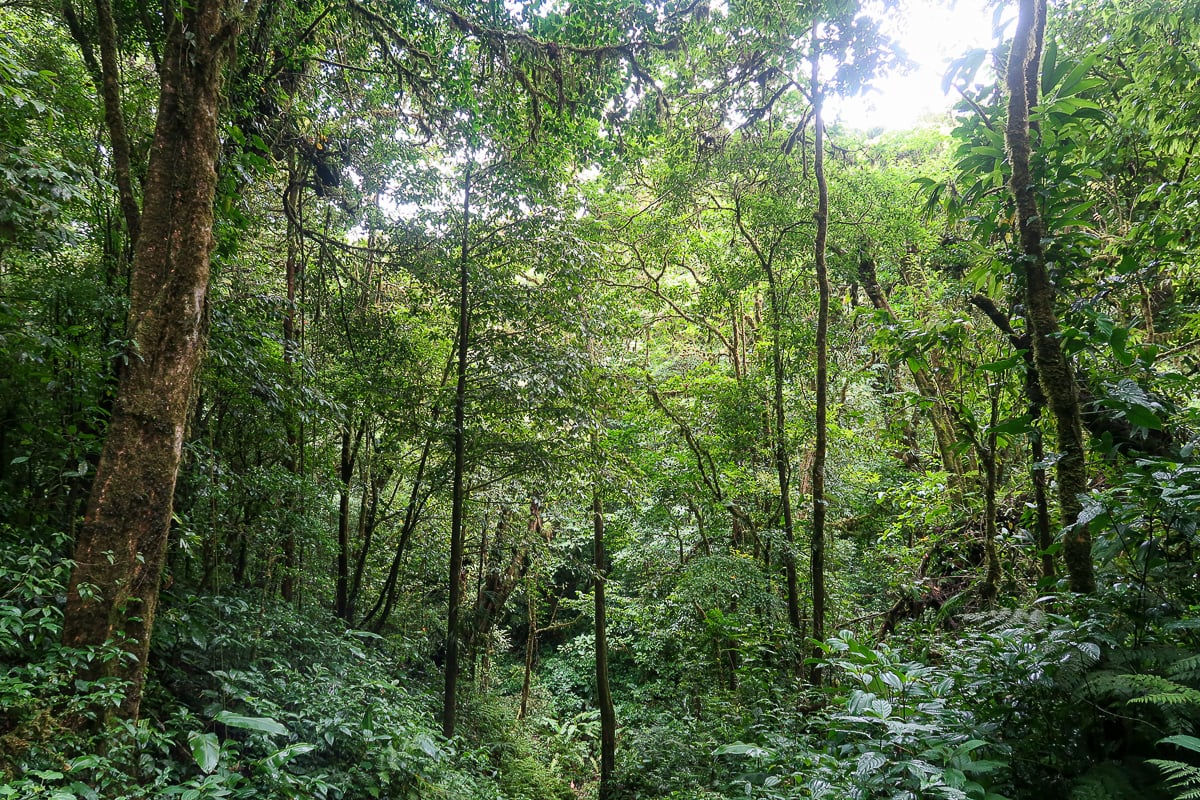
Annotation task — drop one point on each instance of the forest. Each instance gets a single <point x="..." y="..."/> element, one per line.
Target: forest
<point x="552" y="400"/>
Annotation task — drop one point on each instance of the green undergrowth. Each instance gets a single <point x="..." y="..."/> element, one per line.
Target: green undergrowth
<point x="1016" y="704"/>
<point x="1066" y="698"/>
<point x="245" y="701"/>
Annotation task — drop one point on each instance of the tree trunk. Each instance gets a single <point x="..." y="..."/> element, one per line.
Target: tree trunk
<point x="107" y="75"/>
<point x="608" y="717"/>
<point x="450" y="690"/>
<point x="119" y="556"/>
<point x="783" y="467"/>
<point x="345" y="475"/>
<point x="988" y="455"/>
<point x="1054" y="370"/>
<point x="377" y="617"/>
<point x="1037" y="402"/>
<point x="291" y="200"/>
<point x="1037" y="453"/>
<point x="817" y="553"/>
<point x="495" y="585"/>
<point x="368" y="522"/>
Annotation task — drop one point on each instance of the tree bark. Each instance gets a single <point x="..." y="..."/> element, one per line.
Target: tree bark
<point x="119" y="556"/>
<point x="608" y="717"/>
<point x="450" y="689"/>
<point x="820" y="445"/>
<point x="1037" y="454"/>
<point x="1054" y="370"/>
<point x="291" y="200"/>
<point x="345" y="475"/>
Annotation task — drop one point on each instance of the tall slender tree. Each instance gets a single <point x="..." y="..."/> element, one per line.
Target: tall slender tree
<point x="821" y="443"/>
<point x="1054" y="369"/>
<point x="604" y="698"/>
<point x="458" y="492"/>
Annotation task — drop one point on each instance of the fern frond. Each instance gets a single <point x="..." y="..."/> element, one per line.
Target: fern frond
<point x="1186" y="669"/>
<point x="1008" y="620"/>
<point x="1180" y="777"/>
<point x="1155" y="657"/>
<point x="1109" y="685"/>
<point x="1162" y="691"/>
<point x="1167" y="699"/>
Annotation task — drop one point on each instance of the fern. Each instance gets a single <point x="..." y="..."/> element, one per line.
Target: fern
<point x="1163" y="691"/>
<point x="1105" y="686"/>
<point x="1183" y="778"/>
<point x="1187" y="669"/>
<point x="1154" y="657"/>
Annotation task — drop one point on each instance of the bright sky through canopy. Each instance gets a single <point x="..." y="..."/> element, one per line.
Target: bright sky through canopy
<point x="932" y="33"/>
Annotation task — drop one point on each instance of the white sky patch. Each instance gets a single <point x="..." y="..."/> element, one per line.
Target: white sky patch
<point x="933" y="34"/>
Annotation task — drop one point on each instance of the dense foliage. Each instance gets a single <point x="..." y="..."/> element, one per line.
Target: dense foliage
<point x="505" y="303"/>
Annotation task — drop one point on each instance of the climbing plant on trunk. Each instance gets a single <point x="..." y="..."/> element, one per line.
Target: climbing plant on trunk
<point x="1054" y="370"/>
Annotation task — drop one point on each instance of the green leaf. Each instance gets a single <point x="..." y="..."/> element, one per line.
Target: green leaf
<point x="260" y="724"/>
<point x="428" y="746"/>
<point x="1051" y="68"/>
<point x="206" y="750"/>
<point x="1073" y="83"/>
<point x="1143" y="417"/>
<point x="1004" y="364"/>
<point x="1014" y="425"/>
<point x="1118" y="340"/>
<point x="963" y="69"/>
<point x="281" y="757"/>
<point x="741" y="749"/>
<point x="868" y="763"/>
<point x="1183" y="740"/>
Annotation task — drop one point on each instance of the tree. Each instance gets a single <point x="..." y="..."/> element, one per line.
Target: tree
<point x="1054" y="370"/>
<point x="458" y="496"/>
<point x="604" y="698"/>
<point x="120" y="552"/>
<point x="821" y="443"/>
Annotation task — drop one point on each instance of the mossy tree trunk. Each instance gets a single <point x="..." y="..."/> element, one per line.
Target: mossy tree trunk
<point x="821" y="443"/>
<point x="1054" y="370"/>
<point x="121" y="549"/>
